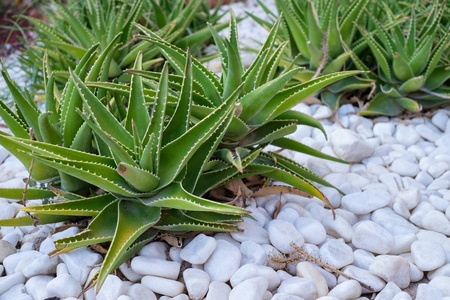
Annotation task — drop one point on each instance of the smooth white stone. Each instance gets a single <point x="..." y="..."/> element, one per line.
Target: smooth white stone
<point x="174" y="254"/>
<point x="436" y="170"/>
<point x="441" y="271"/>
<point x="389" y="292"/>
<point x="251" y="231"/>
<point x="260" y="215"/>
<point x="36" y="286"/>
<point x="122" y="297"/>
<point x="282" y="234"/>
<point x="146" y="265"/>
<point x="350" y="217"/>
<point x="249" y="271"/>
<point x="349" y="146"/>
<point x="420" y="211"/>
<point x="63" y="286"/>
<point x="428" y="132"/>
<point x="376" y="169"/>
<point x="362" y="258"/>
<point x="317" y="211"/>
<point x="139" y="291"/>
<point x="406" y="135"/>
<point x="308" y="270"/>
<point x="441" y="283"/>
<point x="13" y="237"/>
<point x="7" y="282"/>
<point x="339" y="227"/>
<point x="223" y="262"/>
<point x="427" y="255"/>
<point x="271" y="251"/>
<point x="17" y="292"/>
<point x="427" y="292"/>
<point x="301" y="287"/>
<point x="273" y="204"/>
<point x="382" y="128"/>
<point x="199" y="249"/>
<point x="112" y="288"/>
<point x="439" y="184"/>
<point x="251" y="289"/>
<point x="12" y="261"/>
<point x="163" y="286"/>
<point x="43" y="265"/>
<point x="401" y="209"/>
<point x="283" y="296"/>
<point x="7" y="211"/>
<point x="336" y="253"/>
<point x="365" y="202"/>
<point x="403" y="243"/>
<point x="364" y="276"/>
<point x="440" y="120"/>
<point x="288" y="214"/>
<point x="332" y="194"/>
<point x="372" y="237"/>
<point x="129" y="273"/>
<point x="415" y="274"/>
<point x="424" y="178"/>
<point x="392" y="181"/>
<point x="436" y="221"/>
<point x="180" y="297"/>
<point x="79" y="262"/>
<point x="218" y="291"/>
<point x="323" y="112"/>
<point x="339" y="179"/>
<point x="347" y="290"/>
<point x="404" y="167"/>
<point x="438" y="202"/>
<point x="312" y="230"/>
<point x="392" y="222"/>
<point x="392" y="269"/>
<point x="6" y="249"/>
<point x="155" y="249"/>
<point x="253" y="253"/>
<point x="197" y="283"/>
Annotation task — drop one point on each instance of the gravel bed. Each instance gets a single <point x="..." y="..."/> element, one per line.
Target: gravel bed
<point x="389" y="239"/>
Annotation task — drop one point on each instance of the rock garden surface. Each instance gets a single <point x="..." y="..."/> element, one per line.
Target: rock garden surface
<point x="388" y="239"/>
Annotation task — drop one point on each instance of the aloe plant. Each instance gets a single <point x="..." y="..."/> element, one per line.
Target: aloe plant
<point x="317" y="31"/>
<point x="76" y="26"/>
<point x="263" y="114"/>
<point x="127" y="174"/>
<point x="411" y="72"/>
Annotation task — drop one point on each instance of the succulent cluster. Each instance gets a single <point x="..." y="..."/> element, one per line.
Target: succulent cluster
<point x="77" y="25"/>
<point x="140" y="157"/>
<point x="403" y="47"/>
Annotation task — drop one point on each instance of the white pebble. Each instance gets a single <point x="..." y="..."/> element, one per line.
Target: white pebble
<point x="364" y="276"/>
<point x="7" y="282"/>
<point x="427" y="292"/>
<point x="312" y="230"/>
<point x="163" y="286"/>
<point x="224" y="261"/>
<point x="140" y="291"/>
<point x="339" y="227"/>
<point x="373" y="199"/>
<point x="63" y="286"/>
<point x="441" y="283"/>
<point x="251" y="231"/>
<point x="347" y="290"/>
<point x="349" y="146"/>
<point x="218" y="291"/>
<point x="197" y="283"/>
<point x="336" y="253"/>
<point x="199" y="249"/>
<point x="392" y="269"/>
<point x="35" y="286"/>
<point x="282" y="234"/>
<point x="146" y="265"/>
<point x="249" y="271"/>
<point x="308" y="270"/>
<point x="372" y="237"/>
<point x="253" y="253"/>
<point x="436" y="221"/>
<point x="301" y="287"/>
<point x="427" y="255"/>
<point x="251" y="289"/>
<point x="155" y="249"/>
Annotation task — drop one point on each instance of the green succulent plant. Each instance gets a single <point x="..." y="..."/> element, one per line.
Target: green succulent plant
<point x="127" y="175"/>
<point x="138" y="157"/>
<point x="76" y="26"/>
<point x="316" y="31"/>
<point x="412" y="69"/>
<point x="263" y="114"/>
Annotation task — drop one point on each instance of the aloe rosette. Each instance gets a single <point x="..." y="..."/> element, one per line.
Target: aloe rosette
<point x="127" y="174"/>
<point x="412" y="68"/>
<point x="262" y="115"/>
<point x="317" y="32"/>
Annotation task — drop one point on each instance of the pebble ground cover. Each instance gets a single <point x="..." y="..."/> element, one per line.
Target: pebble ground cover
<point x="390" y="233"/>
